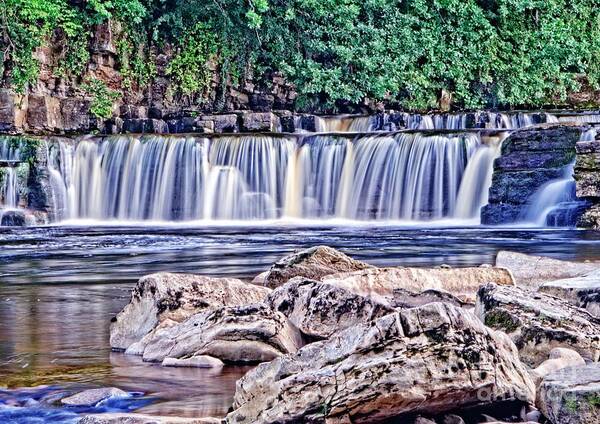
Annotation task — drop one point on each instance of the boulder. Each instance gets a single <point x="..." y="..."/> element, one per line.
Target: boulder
<point x="583" y="292"/>
<point x="431" y="359"/>
<point x="559" y="358"/>
<point x="93" y="396"/>
<point x="239" y="334"/>
<point x="383" y="283"/>
<point x="530" y="270"/>
<point x="571" y="395"/>
<point x="125" y="418"/>
<point x="13" y="218"/>
<point x="312" y="263"/>
<point x="320" y="310"/>
<point x="175" y="297"/>
<point x="537" y="323"/>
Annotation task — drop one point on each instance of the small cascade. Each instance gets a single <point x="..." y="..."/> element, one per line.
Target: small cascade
<point x="554" y="202"/>
<point x="343" y="124"/>
<point x="9" y="191"/>
<point x="10" y="156"/>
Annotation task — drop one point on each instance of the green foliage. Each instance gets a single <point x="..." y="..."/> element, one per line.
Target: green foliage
<point x="189" y="69"/>
<point x="103" y="98"/>
<point x="487" y="53"/>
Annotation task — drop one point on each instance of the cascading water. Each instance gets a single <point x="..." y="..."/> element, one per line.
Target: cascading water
<point x="402" y="176"/>
<point x="9" y="192"/>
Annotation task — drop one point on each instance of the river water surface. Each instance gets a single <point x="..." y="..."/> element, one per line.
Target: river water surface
<point x="60" y="286"/>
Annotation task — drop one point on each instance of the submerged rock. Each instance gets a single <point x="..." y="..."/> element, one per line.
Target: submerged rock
<point x="124" y="418"/>
<point x="537" y="323"/>
<point x="571" y="395"/>
<point x="385" y="284"/>
<point x="530" y="270"/>
<point x="320" y="310"/>
<point x="583" y="292"/>
<point x="431" y="359"/>
<point x="93" y="396"/>
<point x="164" y="297"/>
<point x="239" y="334"/>
<point x="312" y="263"/>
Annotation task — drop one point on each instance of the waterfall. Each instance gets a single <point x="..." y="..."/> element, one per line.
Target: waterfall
<point x="550" y="197"/>
<point x="9" y="189"/>
<point x="401" y="176"/>
<point x="343" y="124"/>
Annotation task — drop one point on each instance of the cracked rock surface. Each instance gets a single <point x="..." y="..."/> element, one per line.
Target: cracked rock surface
<point x="433" y="359"/>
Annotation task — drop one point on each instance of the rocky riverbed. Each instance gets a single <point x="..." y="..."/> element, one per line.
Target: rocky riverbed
<point x="334" y="340"/>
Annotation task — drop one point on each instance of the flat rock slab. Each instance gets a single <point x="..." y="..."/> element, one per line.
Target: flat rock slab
<point x="94" y="396"/>
<point x="571" y="395"/>
<point x="200" y="361"/>
<point x="238" y="334"/>
<point x="537" y="322"/>
<point x="312" y="263"/>
<point x="175" y="297"/>
<point x="428" y="360"/>
<point x="384" y="284"/>
<point x="120" y="418"/>
<point x="583" y="292"/>
<point x="530" y="270"/>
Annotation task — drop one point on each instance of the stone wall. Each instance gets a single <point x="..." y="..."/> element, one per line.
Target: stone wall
<point x="587" y="177"/>
<point x="530" y="158"/>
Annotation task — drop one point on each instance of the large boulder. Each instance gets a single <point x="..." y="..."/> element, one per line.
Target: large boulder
<point x="530" y="270"/>
<point x="537" y="323"/>
<point x="571" y="395"/>
<point x="430" y="359"/>
<point x="583" y="292"/>
<point x="320" y="310"/>
<point x="166" y="297"/>
<point x="239" y="334"/>
<point x="383" y="284"/>
<point x="312" y="263"/>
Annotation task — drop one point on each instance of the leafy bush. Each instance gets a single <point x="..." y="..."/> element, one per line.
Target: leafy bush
<point x="103" y="98"/>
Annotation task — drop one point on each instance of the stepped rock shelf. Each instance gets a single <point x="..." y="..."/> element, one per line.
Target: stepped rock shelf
<point x="493" y="168"/>
<point x="331" y="346"/>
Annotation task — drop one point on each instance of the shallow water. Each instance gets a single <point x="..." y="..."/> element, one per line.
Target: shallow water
<point x="59" y="287"/>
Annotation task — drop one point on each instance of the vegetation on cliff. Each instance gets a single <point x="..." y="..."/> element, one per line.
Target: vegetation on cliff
<point x="486" y="53"/>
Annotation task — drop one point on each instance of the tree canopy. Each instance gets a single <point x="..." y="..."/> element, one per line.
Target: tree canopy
<point x="487" y="53"/>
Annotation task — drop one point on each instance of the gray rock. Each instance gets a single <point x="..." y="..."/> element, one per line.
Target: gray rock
<point x="242" y="334"/>
<point x="260" y="122"/>
<point x="320" y="310"/>
<point x="93" y="396"/>
<point x="124" y="418"/>
<point x="583" y="292"/>
<point x="172" y="298"/>
<point x="453" y="419"/>
<point x="571" y="395"/>
<point x="312" y="263"/>
<point x="430" y="359"/>
<point x="13" y="218"/>
<point x="200" y="361"/>
<point x="530" y="270"/>
<point x="537" y="323"/>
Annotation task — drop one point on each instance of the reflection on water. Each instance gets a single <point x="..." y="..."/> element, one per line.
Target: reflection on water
<point x="59" y="287"/>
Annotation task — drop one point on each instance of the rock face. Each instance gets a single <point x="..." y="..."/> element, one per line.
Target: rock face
<point x="384" y="284"/>
<point x="430" y="359"/>
<point x="583" y="292"/>
<point x="239" y="334"/>
<point x="320" y="310"/>
<point x="530" y="270"/>
<point x="587" y="181"/>
<point x="538" y="323"/>
<point x="571" y="395"/>
<point x="93" y="396"/>
<point x="312" y="263"/>
<point x="530" y="158"/>
<point x="171" y="298"/>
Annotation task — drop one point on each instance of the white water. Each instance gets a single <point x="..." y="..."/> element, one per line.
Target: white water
<point x="406" y="176"/>
<point x="9" y="190"/>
